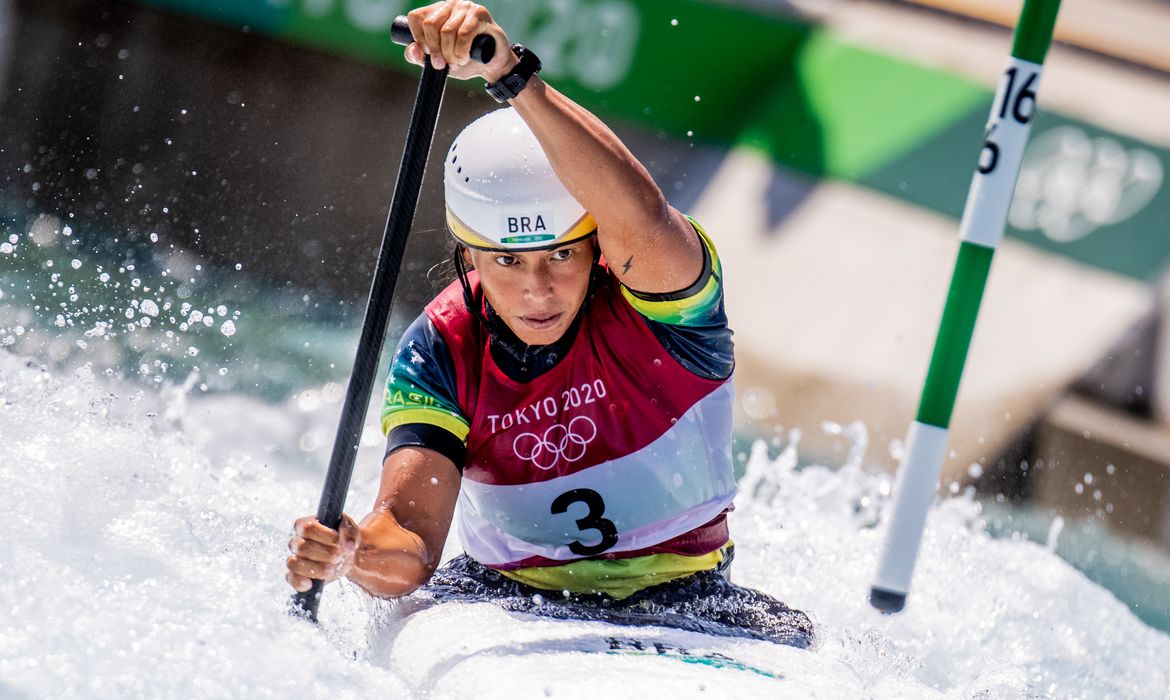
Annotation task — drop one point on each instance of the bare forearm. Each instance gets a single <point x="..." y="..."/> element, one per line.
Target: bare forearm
<point x="650" y="245"/>
<point x="391" y="560"/>
<point x="594" y="165"/>
<point x="390" y="574"/>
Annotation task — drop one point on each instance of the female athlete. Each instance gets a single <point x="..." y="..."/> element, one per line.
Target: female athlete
<point x="570" y="391"/>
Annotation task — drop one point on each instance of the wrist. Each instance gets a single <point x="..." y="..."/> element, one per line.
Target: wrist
<point x="506" y="68"/>
<point x="525" y="66"/>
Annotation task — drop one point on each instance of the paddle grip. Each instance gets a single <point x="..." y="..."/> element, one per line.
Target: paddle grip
<point x="483" y="47"/>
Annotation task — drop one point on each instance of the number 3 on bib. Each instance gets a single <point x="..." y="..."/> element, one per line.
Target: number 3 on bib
<point x="591" y="521"/>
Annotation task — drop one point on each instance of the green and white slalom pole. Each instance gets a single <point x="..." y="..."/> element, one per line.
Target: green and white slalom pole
<point x="980" y="232"/>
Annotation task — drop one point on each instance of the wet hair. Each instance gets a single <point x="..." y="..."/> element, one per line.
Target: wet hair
<point x="473" y="301"/>
<point x="444" y="272"/>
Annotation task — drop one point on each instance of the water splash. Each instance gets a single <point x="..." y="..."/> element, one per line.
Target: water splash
<point x="70" y="298"/>
<point x="154" y="537"/>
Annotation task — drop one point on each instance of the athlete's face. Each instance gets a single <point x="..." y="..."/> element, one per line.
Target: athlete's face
<point x="537" y="293"/>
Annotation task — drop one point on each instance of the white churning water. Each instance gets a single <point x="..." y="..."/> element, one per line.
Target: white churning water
<point x="146" y="535"/>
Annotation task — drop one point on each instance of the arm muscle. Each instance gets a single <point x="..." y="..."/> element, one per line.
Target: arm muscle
<point x="402" y="539"/>
<point x="650" y="246"/>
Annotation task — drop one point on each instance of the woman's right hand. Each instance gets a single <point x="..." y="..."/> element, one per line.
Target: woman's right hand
<point x="397" y="546"/>
<point x="318" y="552"/>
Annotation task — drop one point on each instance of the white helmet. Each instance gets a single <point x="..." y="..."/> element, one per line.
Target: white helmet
<point x="502" y="193"/>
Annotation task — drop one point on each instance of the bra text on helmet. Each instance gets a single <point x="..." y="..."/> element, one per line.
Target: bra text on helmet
<point x="526" y="224"/>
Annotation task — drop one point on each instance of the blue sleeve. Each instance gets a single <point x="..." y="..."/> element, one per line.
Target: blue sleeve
<point x="421" y="405"/>
<point x="692" y="323"/>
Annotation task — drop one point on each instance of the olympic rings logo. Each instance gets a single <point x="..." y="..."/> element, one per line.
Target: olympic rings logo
<point x="545" y="451"/>
<point x="1072" y="184"/>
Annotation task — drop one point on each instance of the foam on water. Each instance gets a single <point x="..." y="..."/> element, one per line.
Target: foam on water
<point x="147" y="532"/>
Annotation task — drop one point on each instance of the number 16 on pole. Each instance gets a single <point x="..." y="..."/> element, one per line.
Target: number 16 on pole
<point x="980" y="231"/>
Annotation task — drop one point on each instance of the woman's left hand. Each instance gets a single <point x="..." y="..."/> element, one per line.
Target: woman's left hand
<point x="446" y="29"/>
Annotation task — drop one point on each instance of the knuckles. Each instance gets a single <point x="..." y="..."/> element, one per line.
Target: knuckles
<point x="309" y="569"/>
<point x="448" y="18"/>
<point x="316" y="551"/>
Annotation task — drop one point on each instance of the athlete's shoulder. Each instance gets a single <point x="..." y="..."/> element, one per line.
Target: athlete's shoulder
<point x="453" y="319"/>
<point x="449" y="306"/>
<point x="691" y="323"/>
<point x="421" y="405"/>
<point x="699" y="304"/>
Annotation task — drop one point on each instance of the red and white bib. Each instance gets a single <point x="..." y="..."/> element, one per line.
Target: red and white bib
<point x="617" y="451"/>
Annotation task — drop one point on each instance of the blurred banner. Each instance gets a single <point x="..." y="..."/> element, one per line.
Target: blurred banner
<point x="810" y="100"/>
<point x="647" y="61"/>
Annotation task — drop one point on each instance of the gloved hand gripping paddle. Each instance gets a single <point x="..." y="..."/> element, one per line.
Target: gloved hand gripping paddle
<point x="402" y="208"/>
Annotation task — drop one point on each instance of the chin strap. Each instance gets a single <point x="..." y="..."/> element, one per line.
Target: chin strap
<point x="474" y="304"/>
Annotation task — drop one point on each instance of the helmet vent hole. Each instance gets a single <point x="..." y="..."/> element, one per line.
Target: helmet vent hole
<point x="459" y="169"/>
<point x="467" y="179"/>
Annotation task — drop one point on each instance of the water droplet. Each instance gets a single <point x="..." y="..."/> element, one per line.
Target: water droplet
<point x="149" y="308"/>
<point x="228" y="328"/>
<point x="6" y="248"/>
<point x="192" y="351"/>
<point x="76" y="264"/>
<point x="698" y="99"/>
<point x="674" y="22"/>
<point x="759" y="403"/>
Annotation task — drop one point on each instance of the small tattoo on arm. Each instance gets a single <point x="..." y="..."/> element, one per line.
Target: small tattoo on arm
<point x="627" y="265"/>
